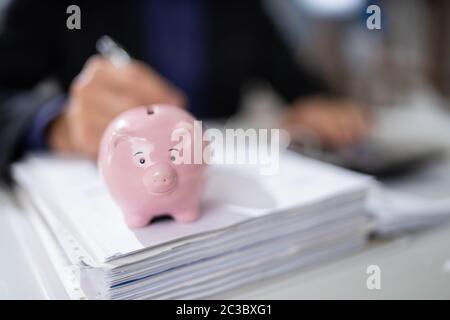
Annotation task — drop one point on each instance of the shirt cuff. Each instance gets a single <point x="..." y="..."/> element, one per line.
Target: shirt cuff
<point x="36" y="137"/>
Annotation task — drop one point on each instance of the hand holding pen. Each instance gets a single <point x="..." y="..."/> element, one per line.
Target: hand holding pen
<point x="108" y="85"/>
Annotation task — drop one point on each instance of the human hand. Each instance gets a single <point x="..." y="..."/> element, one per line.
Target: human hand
<point x="98" y="94"/>
<point x="336" y="123"/>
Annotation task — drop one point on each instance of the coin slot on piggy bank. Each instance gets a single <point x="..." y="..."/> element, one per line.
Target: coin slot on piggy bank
<point x="150" y="110"/>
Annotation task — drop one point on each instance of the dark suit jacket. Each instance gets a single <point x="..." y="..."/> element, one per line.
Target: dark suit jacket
<point x="35" y="44"/>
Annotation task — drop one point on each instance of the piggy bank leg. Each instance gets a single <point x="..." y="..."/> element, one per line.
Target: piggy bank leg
<point x="135" y="220"/>
<point x="187" y="215"/>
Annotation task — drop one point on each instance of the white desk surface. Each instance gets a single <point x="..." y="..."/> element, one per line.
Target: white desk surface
<point x="412" y="266"/>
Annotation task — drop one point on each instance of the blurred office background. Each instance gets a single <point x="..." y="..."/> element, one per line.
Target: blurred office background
<point x="405" y="64"/>
<point x="401" y="72"/>
<point x="409" y="53"/>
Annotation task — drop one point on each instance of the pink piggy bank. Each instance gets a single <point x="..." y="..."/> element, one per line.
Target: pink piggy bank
<point x="147" y="162"/>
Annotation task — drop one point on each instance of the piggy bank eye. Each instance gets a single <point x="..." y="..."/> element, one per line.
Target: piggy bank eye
<point x="140" y="159"/>
<point x="174" y="155"/>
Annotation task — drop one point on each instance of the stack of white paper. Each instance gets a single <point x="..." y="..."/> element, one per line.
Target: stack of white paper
<point x="252" y="226"/>
<point x="398" y="212"/>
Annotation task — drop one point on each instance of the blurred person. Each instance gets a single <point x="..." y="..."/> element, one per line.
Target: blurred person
<point x="192" y="53"/>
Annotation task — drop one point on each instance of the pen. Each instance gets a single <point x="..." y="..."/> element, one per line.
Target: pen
<point x="109" y="49"/>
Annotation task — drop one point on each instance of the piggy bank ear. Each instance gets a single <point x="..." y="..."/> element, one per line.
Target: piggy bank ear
<point x="118" y="137"/>
<point x="183" y="134"/>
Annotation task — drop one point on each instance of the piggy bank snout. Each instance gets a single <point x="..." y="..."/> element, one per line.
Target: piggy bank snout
<point x="160" y="179"/>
